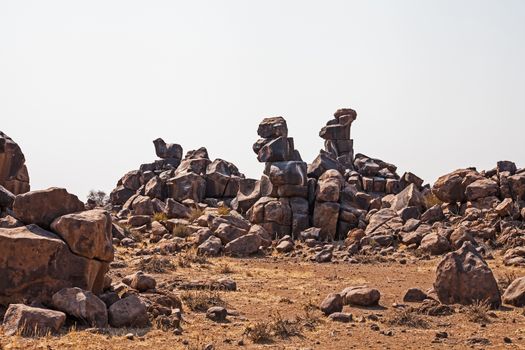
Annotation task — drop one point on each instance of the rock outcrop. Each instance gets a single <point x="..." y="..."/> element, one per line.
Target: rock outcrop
<point x="13" y="171"/>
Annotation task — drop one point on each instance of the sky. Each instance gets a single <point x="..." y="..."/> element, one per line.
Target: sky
<point x="85" y="86"/>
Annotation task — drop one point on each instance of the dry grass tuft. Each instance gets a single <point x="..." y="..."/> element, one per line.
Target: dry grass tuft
<point x="180" y="231"/>
<point x="223" y="210"/>
<point x="259" y="332"/>
<point x="478" y="312"/>
<point x="202" y="300"/>
<point x="283" y="328"/>
<point x="506" y="279"/>
<point x="196" y="213"/>
<point x="407" y="317"/>
<point x="189" y="257"/>
<point x="160" y="217"/>
<point x="156" y="264"/>
<point x="225" y="268"/>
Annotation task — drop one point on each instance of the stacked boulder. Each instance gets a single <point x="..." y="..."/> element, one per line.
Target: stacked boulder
<point x="14" y="178"/>
<point x="192" y="179"/>
<point x="335" y="193"/>
<point x="49" y="243"/>
<point x="281" y="196"/>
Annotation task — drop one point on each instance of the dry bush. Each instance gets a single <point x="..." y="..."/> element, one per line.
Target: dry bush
<point x="189" y="257"/>
<point x="225" y="268"/>
<point x="430" y="200"/>
<point x="223" y="210"/>
<point x="259" y="332"/>
<point x="180" y="230"/>
<point x="506" y="279"/>
<point x="407" y="317"/>
<point x="283" y="328"/>
<point x="369" y="258"/>
<point x="156" y="264"/>
<point x="196" y="213"/>
<point x="160" y="217"/>
<point x="202" y="300"/>
<point x="135" y="235"/>
<point x="478" y="312"/>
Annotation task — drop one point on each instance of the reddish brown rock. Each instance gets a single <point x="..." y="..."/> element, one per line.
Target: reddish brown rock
<point x="463" y="277"/>
<point x="32" y="321"/>
<point x="44" y="206"/>
<point x="87" y="233"/>
<point x="13" y="171"/>
<point x="35" y="264"/>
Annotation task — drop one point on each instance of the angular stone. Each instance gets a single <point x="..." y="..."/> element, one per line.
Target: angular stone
<point x="176" y="210"/>
<point x="87" y="233"/>
<point x="322" y="163"/>
<point x="120" y="195"/>
<point x="187" y="186"/>
<point x="128" y="312"/>
<point x="6" y="198"/>
<point x="167" y="150"/>
<point x="287" y="173"/>
<point x="51" y="266"/>
<point x="140" y="281"/>
<point x="409" y="197"/>
<point x="82" y="305"/>
<point x="228" y="233"/>
<point x="13" y="172"/>
<point x="273" y="127"/>
<point x="244" y="245"/>
<point x="481" y="188"/>
<point x="332" y="303"/>
<point x="32" y="321"/>
<point x="450" y="188"/>
<point x="277" y="150"/>
<point x="463" y="277"/>
<point x="329" y="186"/>
<point x="361" y="296"/>
<point x="325" y="217"/>
<point x="433" y="214"/>
<point x="211" y="247"/>
<point x="515" y="293"/>
<point x="42" y="207"/>
<point x="434" y="244"/>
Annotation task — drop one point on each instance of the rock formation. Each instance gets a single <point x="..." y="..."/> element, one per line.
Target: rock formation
<point x="13" y="171"/>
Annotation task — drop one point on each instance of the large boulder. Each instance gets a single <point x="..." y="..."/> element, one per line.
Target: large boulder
<point x="325" y="217"/>
<point x="244" y="245"/>
<point x="517" y="186"/>
<point x="32" y="321"/>
<point x="13" y="171"/>
<point x="35" y="264"/>
<point x="6" y="198"/>
<point x="463" y="277"/>
<point x="128" y="312"/>
<point x="167" y="150"/>
<point x="450" y="188"/>
<point x="82" y="305"/>
<point x="87" y="233"/>
<point x="515" y="293"/>
<point x="409" y="197"/>
<point x="481" y="188"/>
<point x="43" y="206"/>
<point x="187" y="186"/>
<point x="329" y="186"/>
<point x="273" y="127"/>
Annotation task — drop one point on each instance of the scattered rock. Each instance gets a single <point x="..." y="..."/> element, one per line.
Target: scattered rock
<point x="83" y="305"/>
<point x="32" y="321"/>
<point x="332" y="303"/>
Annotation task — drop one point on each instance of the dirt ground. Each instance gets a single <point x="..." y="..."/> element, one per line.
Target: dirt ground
<point x="271" y="288"/>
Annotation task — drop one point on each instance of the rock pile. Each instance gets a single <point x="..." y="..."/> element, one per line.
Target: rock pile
<point x="190" y="180"/>
<point x="282" y="206"/>
<point x="50" y="243"/>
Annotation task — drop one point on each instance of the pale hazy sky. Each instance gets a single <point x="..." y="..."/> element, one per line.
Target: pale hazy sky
<point x="85" y="86"/>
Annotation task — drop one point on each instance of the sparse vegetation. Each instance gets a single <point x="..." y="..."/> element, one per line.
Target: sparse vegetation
<point x="202" y="300"/>
<point x="156" y="264"/>
<point x="225" y="268"/>
<point x="180" y="230"/>
<point x="259" y="332"/>
<point x="407" y="317"/>
<point x="223" y="210"/>
<point x="98" y="197"/>
<point x="160" y="217"/>
<point x="189" y="257"/>
<point x="478" y="312"/>
<point x="506" y="279"/>
<point x="196" y="213"/>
